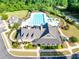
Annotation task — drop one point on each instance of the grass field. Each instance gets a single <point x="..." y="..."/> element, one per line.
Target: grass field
<point x="25" y="53"/>
<point x="76" y="50"/>
<point x="73" y="31"/>
<point x="19" y="14"/>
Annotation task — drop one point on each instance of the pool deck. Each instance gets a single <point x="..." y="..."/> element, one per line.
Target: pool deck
<point x="38" y="19"/>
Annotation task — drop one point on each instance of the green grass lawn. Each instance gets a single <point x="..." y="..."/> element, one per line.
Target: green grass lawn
<point x="73" y="31"/>
<point x="75" y="50"/>
<point x="23" y="53"/>
<point x="19" y="14"/>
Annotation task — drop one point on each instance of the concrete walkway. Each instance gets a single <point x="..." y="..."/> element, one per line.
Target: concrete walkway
<point x="69" y="47"/>
<point x="12" y="35"/>
<point x="62" y="33"/>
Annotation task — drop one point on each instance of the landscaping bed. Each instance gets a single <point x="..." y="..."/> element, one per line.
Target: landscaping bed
<point x="29" y="46"/>
<point x="55" y="53"/>
<point x="51" y="47"/>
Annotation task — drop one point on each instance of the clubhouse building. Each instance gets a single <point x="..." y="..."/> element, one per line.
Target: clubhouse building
<point x="40" y="29"/>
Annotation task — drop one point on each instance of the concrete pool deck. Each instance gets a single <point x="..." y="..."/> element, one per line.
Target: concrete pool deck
<point x="38" y="19"/>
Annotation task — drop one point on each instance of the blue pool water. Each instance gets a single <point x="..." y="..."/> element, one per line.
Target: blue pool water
<point x="38" y="19"/>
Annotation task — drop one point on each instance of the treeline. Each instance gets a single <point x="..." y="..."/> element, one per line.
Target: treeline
<point x="31" y="5"/>
<point x="11" y="5"/>
<point x="73" y="5"/>
<point x="41" y="5"/>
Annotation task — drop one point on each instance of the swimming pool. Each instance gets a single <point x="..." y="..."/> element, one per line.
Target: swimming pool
<point x="37" y="19"/>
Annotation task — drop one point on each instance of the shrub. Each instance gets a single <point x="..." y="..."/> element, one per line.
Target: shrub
<point x="51" y="47"/>
<point x="30" y="46"/>
<point x="70" y="21"/>
<point x="59" y="46"/>
<point x="15" y="44"/>
<point x="73" y="39"/>
<point x="66" y="27"/>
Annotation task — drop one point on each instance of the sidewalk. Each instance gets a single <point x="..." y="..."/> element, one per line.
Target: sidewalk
<point x="69" y="47"/>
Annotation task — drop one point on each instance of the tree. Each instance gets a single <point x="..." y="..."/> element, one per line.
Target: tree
<point x="73" y="39"/>
<point x="13" y="5"/>
<point x="73" y="5"/>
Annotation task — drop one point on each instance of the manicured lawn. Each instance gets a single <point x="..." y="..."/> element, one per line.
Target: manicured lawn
<point x="23" y="53"/>
<point x="75" y="50"/>
<point x="20" y="14"/>
<point x="73" y="31"/>
<point x="51" y="47"/>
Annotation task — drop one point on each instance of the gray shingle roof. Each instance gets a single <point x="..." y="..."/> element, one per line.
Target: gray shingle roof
<point x="51" y="38"/>
<point x="48" y="35"/>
